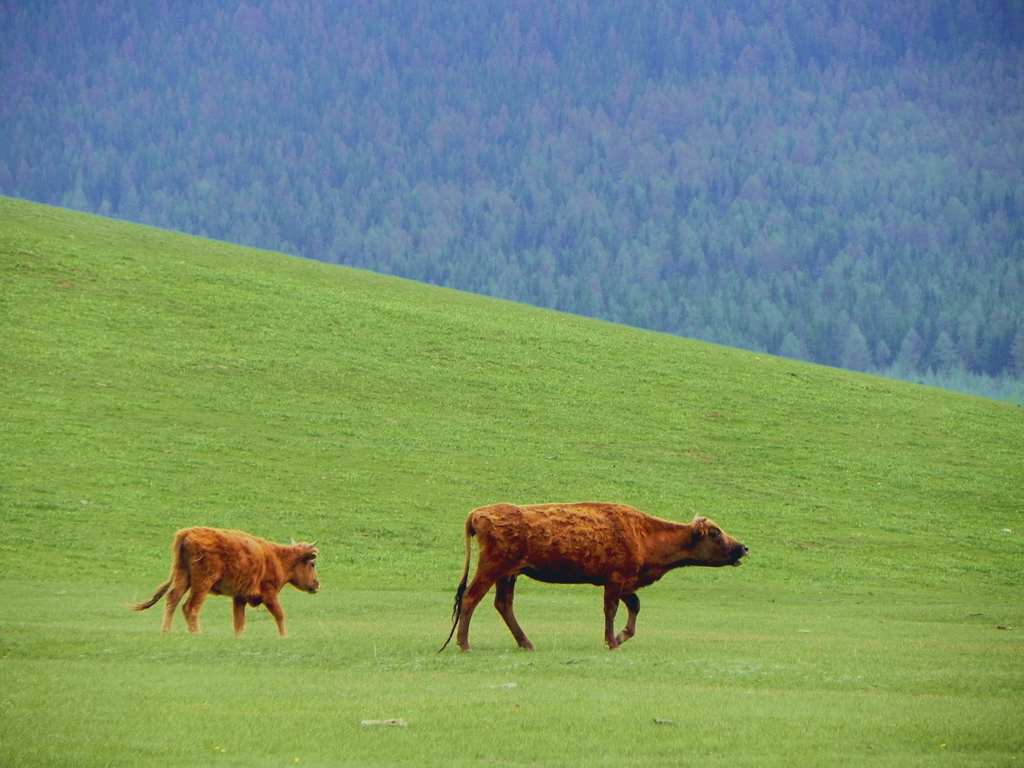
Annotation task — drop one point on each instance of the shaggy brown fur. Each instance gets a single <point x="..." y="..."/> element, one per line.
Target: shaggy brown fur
<point x="249" y="569"/>
<point x="609" y="545"/>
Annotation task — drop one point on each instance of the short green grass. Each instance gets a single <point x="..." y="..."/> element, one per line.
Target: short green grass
<point x="152" y="381"/>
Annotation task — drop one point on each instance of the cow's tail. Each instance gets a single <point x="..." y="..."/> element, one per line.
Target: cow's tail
<point x="152" y="601"/>
<point x="177" y="564"/>
<point x="461" y="589"/>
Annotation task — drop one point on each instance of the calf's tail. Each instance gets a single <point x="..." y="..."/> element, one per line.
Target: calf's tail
<point x="461" y="589"/>
<point x="177" y="564"/>
<point x="152" y="601"/>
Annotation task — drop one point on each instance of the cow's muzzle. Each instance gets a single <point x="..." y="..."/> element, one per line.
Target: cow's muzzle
<point x="738" y="553"/>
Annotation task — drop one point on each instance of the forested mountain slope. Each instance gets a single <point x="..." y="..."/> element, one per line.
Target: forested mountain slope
<point x="841" y="184"/>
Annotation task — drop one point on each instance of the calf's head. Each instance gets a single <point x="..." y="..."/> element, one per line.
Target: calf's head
<point x="304" y="571"/>
<point x="710" y="545"/>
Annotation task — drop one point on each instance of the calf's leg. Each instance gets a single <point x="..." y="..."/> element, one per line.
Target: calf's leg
<point x="274" y="606"/>
<point x="632" y="603"/>
<point x="192" y="606"/>
<point x="239" y="616"/>
<point x="173" y="598"/>
<point x="179" y="586"/>
<point x="504" y="594"/>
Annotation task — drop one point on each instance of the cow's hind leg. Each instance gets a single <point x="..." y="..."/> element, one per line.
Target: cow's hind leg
<point x="195" y="601"/>
<point x="632" y="603"/>
<point x="477" y="589"/>
<point x="505" y="593"/>
<point x="179" y="586"/>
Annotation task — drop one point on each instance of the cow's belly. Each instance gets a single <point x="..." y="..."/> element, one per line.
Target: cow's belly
<point x="570" y="560"/>
<point x="230" y="588"/>
<point x="227" y="588"/>
<point x="562" y="575"/>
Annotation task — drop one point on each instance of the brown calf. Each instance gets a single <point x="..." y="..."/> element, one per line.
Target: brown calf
<point x="609" y="545"/>
<point x="250" y="569"/>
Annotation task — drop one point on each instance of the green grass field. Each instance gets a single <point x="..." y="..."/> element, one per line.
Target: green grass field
<point x="153" y="381"/>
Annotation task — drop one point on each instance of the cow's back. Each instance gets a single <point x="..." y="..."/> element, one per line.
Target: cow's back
<point x="234" y="562"/>
<point x="580" y="542"/>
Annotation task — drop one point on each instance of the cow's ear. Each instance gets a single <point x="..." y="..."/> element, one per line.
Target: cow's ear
<point x="699" y="527"/>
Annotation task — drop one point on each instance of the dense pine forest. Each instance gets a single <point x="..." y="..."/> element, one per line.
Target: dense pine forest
<point x="838" y="182"/>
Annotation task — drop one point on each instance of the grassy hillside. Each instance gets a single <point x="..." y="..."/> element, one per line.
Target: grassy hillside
<point x="153" y="381"/>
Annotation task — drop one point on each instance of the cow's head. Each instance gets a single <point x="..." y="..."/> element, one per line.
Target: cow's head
<point x="710" y="545"/>
<point x="304" y="571"/>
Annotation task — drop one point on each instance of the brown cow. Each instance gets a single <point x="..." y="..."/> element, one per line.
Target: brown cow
<point x="609" y="545"/>
<point x="250" y="569"/>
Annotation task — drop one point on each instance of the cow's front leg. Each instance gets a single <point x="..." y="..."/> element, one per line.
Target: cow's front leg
<point x="239" y="614"/>
<point x="612" y="593"/>
<point x="632" y="603"/>
<point x="274" y="606"/>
